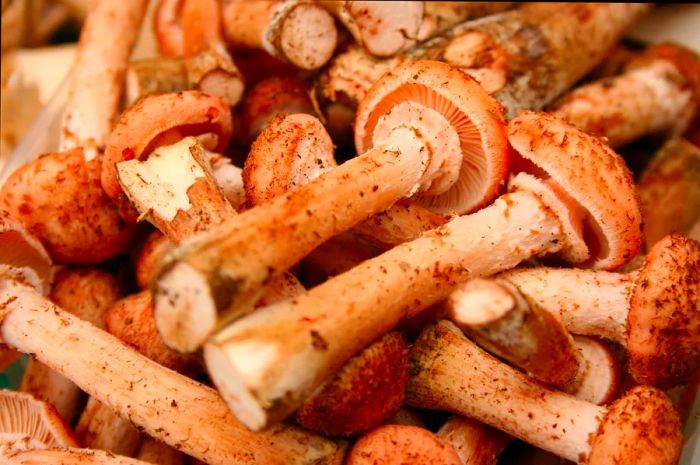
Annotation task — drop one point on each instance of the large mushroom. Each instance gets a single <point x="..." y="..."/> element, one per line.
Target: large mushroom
<point x="580" y="203"/>
<point x="190" y="417"/>
<point x="449" y="372"/>
<point x="653" y="312"/>
<point x="427" y="127"/>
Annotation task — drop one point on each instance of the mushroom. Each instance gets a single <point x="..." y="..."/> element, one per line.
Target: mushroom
<point x="158" y="120"/>
<point x="399" y="444"/>
<point x="190" y="417"/>
<point x="155" y="452"/>
<point x="149" y="258"/>
<point x="584" y="201"/>
<point x="31" y="423"/>
<point x="501" y="319"/>
<point x="526" y="57"/>
<point x="102" y="428"/>
<point x="69" y="456"/>
<point x="300" y="32"/>
<point x="365" y="393"/>
<point x="152" y="76"/>
<point x="56" y="196"/>
<point x="459" y="160"/>
<point x="167" y="28"/>
<point x="652" y="97"/>
<point x="669" y="190"/>
<point x="653" y="312"/>
<point x="474" y="442"/>
<point x="86" y="293"/>
<point x="273" y="96"/>
<point x="209" y="65"/>
<point x="451" y="373"/>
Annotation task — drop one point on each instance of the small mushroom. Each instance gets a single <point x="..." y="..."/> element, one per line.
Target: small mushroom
<point x="159" y="120"/>
<point x="451" y="373"/>
<point x="274" y="96"/>
<point x="435" y="130"/>
<point x="149" y="258"/>
<point x="86" y="293"/>
<point x="365" y="393"/>
<point x="262" y="354"/>
<point x="653" y="312"/>
<point x="31" y="423"/>
<point x="475" y="443"/>
<point x="190" y="416"/>
<point x="399" y="444"/>
<point x="653" y="97"/>
<point x="300" y="32"/>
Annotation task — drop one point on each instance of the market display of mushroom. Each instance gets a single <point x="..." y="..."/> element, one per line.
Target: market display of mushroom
<point x="311" y="232"/>
<point x="652" y="312"/>
<point x="640" y="427"/>
<point x="458" y="159"/>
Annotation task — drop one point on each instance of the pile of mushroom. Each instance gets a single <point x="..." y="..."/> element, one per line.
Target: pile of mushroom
<point x="254" y="249"/>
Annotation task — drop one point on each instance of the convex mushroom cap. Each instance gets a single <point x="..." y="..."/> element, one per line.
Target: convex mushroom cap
<point x="475" y="163"/>
<point x="568" y="161"/>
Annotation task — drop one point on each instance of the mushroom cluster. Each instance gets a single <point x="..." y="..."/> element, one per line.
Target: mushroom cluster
<point x="423" y="248"/>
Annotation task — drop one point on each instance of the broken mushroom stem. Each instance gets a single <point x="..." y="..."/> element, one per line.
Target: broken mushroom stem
<point x="653" y="312"/>
<point x="300" y="32"/>
<point x="259" y="358"/>
<point x="451" y="373"/>
<point x="612" y="107"/>
<point x="190" y="417"/>
<point x="435" y="130"/>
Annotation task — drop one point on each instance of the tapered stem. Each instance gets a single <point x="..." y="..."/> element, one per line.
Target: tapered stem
<point x="226" y="268"/>
<point x="267" y="363"/>
<point x="172" y="408"/>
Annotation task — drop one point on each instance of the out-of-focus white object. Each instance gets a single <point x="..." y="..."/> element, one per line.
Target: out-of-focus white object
<point x="678" y="23"/>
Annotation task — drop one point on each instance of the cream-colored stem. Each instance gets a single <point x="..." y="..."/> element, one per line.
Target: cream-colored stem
<point x="158" y="453"/>
<point x="452" y="373"/>
<point x="277" y="356"/>
<point x="613" y="108"/>
<point x="101" y="428"/>
<point x="53" y="388"/>
<point x="230" y="264"/>
<point x="593" y="303"/>
<point x="475" y="443"/>
<point x="106" y="40"/>
<point x="172" y="408"/>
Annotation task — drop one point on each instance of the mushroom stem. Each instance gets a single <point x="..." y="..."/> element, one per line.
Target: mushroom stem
<point x="307" y="216"/>
<point x="154" y="76"/>
<point x="296" y="31"/>
<point x="669" y="191"/>
<point x="268" y="362"/>
<point x="257" y="361"/>
<point x="100" y="427"/>
<point x="158" y="453"/>
<point x="523" y="70"/>
<point x="191" y="417"/>
<point x="475" y="443"/>
<point x="498" y="317"/>
<point x="612" y="107"/>
<point x="451" y="373"/>
<point x="106" y="40"/>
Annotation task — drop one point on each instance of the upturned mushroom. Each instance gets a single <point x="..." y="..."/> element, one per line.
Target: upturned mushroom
<point x="526" y="57"/>
<point x="580" y="204"/>
<point x="159" y="120"/>
<point x="659" y="94"/>
<point x="449" y="372"/>
<point x="300" y="32"/>
<point x="56" y="196"/>
<point x="653" y="312"/>
<point x="399" y="444"/>
<point x="191" y="417"/>
<point x="426" y="128"/>
<point x="669" y="191"/>
<point x="87" y="294"/>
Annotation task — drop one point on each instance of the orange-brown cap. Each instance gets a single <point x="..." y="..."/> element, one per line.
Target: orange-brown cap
<point x="592" y="175"/>
<point x="19" y="249"/>
<point x="663" y="325"/>
<point x="641" y="428"/>
<point x="475" y="116"/>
